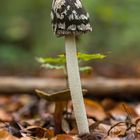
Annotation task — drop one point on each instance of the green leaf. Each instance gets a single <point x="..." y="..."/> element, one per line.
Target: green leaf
<point x="59" y="61"/>
<point x="87" y="57"/>
<point x="51" y="66"/>
<point x="86" y="69"/>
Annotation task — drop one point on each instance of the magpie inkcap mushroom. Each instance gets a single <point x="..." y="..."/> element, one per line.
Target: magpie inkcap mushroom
<point x="69" y="17"/>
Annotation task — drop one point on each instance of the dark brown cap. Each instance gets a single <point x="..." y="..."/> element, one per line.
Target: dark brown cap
<point x="69" y="17"/>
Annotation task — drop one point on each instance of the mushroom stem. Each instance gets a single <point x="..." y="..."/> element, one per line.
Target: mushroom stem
<point x="75" y="84"/>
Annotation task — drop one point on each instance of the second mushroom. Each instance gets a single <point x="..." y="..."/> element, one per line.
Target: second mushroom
<point x="69" y="19"/>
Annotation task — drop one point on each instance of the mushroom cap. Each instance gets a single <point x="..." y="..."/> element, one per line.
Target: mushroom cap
<point x="69" y="17"/>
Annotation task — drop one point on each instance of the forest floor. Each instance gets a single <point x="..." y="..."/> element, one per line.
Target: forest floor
<point x="27" y="117"/>
<point x="111" y="115"/>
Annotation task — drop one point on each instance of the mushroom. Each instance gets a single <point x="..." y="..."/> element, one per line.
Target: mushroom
<point x="60" y="99"/>
<point x="69" y="19"/>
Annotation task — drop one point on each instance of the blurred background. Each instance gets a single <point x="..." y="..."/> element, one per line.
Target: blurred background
<point x="26" y="33"/>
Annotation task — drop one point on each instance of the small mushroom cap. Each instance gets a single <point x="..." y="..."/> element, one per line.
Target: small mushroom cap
<point x="69" y="17"/>
<point x="63" y="95"/>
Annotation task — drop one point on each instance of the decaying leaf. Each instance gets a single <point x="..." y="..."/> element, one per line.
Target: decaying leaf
<point x="26" y="138"/>
<point x="64" y="137"/>
<point x="4" y="115"/>
<point x="108" y="104"/>
<point x="5" y="135"/>
<point x="15" y="128"/>
<point x="39" y="132"/>
<point x="88" y="137"/>
<point x="122" y="123"/>
<point x="137" y="123"/>
<point x="120" y="114"/>
<point x="99" y="130"/>
<point x="74" y="131"/>
<point x="118" y="130"/>
<point x="94" y="109"/>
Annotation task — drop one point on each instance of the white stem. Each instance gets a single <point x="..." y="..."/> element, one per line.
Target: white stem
<point x="75" y="85"/>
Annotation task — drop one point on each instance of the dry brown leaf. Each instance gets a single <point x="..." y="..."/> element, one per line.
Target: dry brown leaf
<point x="64" y="137"/>
<point x="25" y="138"/>
<point x="118" y="130"/>
<point x="104" y="128"/>
<point x="13" y="106"/>
<point x="120" y="114"/>
<point x="130" y="136"/>
<point x="5" y="116"/>
<point x="137" y="109"/>
<point x="74" y="131"/>
<point x="91" y="122"/>
<point x="99" y="130"/>
<point x="5" y="135"/>
<point x="137" y="123"/>
<point x="108" y="104"/>
<point x="4" y="100"/>
<point x="87" y="137"/>
<point x="112" y="138"/>
<point x="40" y="132"/>
<point x="94" y="109"/>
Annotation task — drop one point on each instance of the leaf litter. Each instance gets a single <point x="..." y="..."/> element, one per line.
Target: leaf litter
<point x="27" y="117"/>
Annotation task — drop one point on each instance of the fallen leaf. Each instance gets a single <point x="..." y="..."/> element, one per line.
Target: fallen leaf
<point x="94" y="109"/>
<point x="108" y="104"/>
<point x="39" y="132"/>
<point x="4" y="115"/>
<point x="74" y="131"/>
<point x="137" y="109"/>
<point x="131" y="136"/>
<point x="99" y="130"/>
<point x="4" y="100"/>
<point x="64" y="137"/>
<point x="25" y="138"/>
<point x="14" y="128"/>
<point x="120" y="114"/>
<point x="87" y="137"/>
<point x="112" y="138"/>
<point x="137" y="123"/>
<point x="118" y="130"/>
<point x="5" y="135"/>
<point x="14" y="106"/>
<point x="104" y="128"/>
